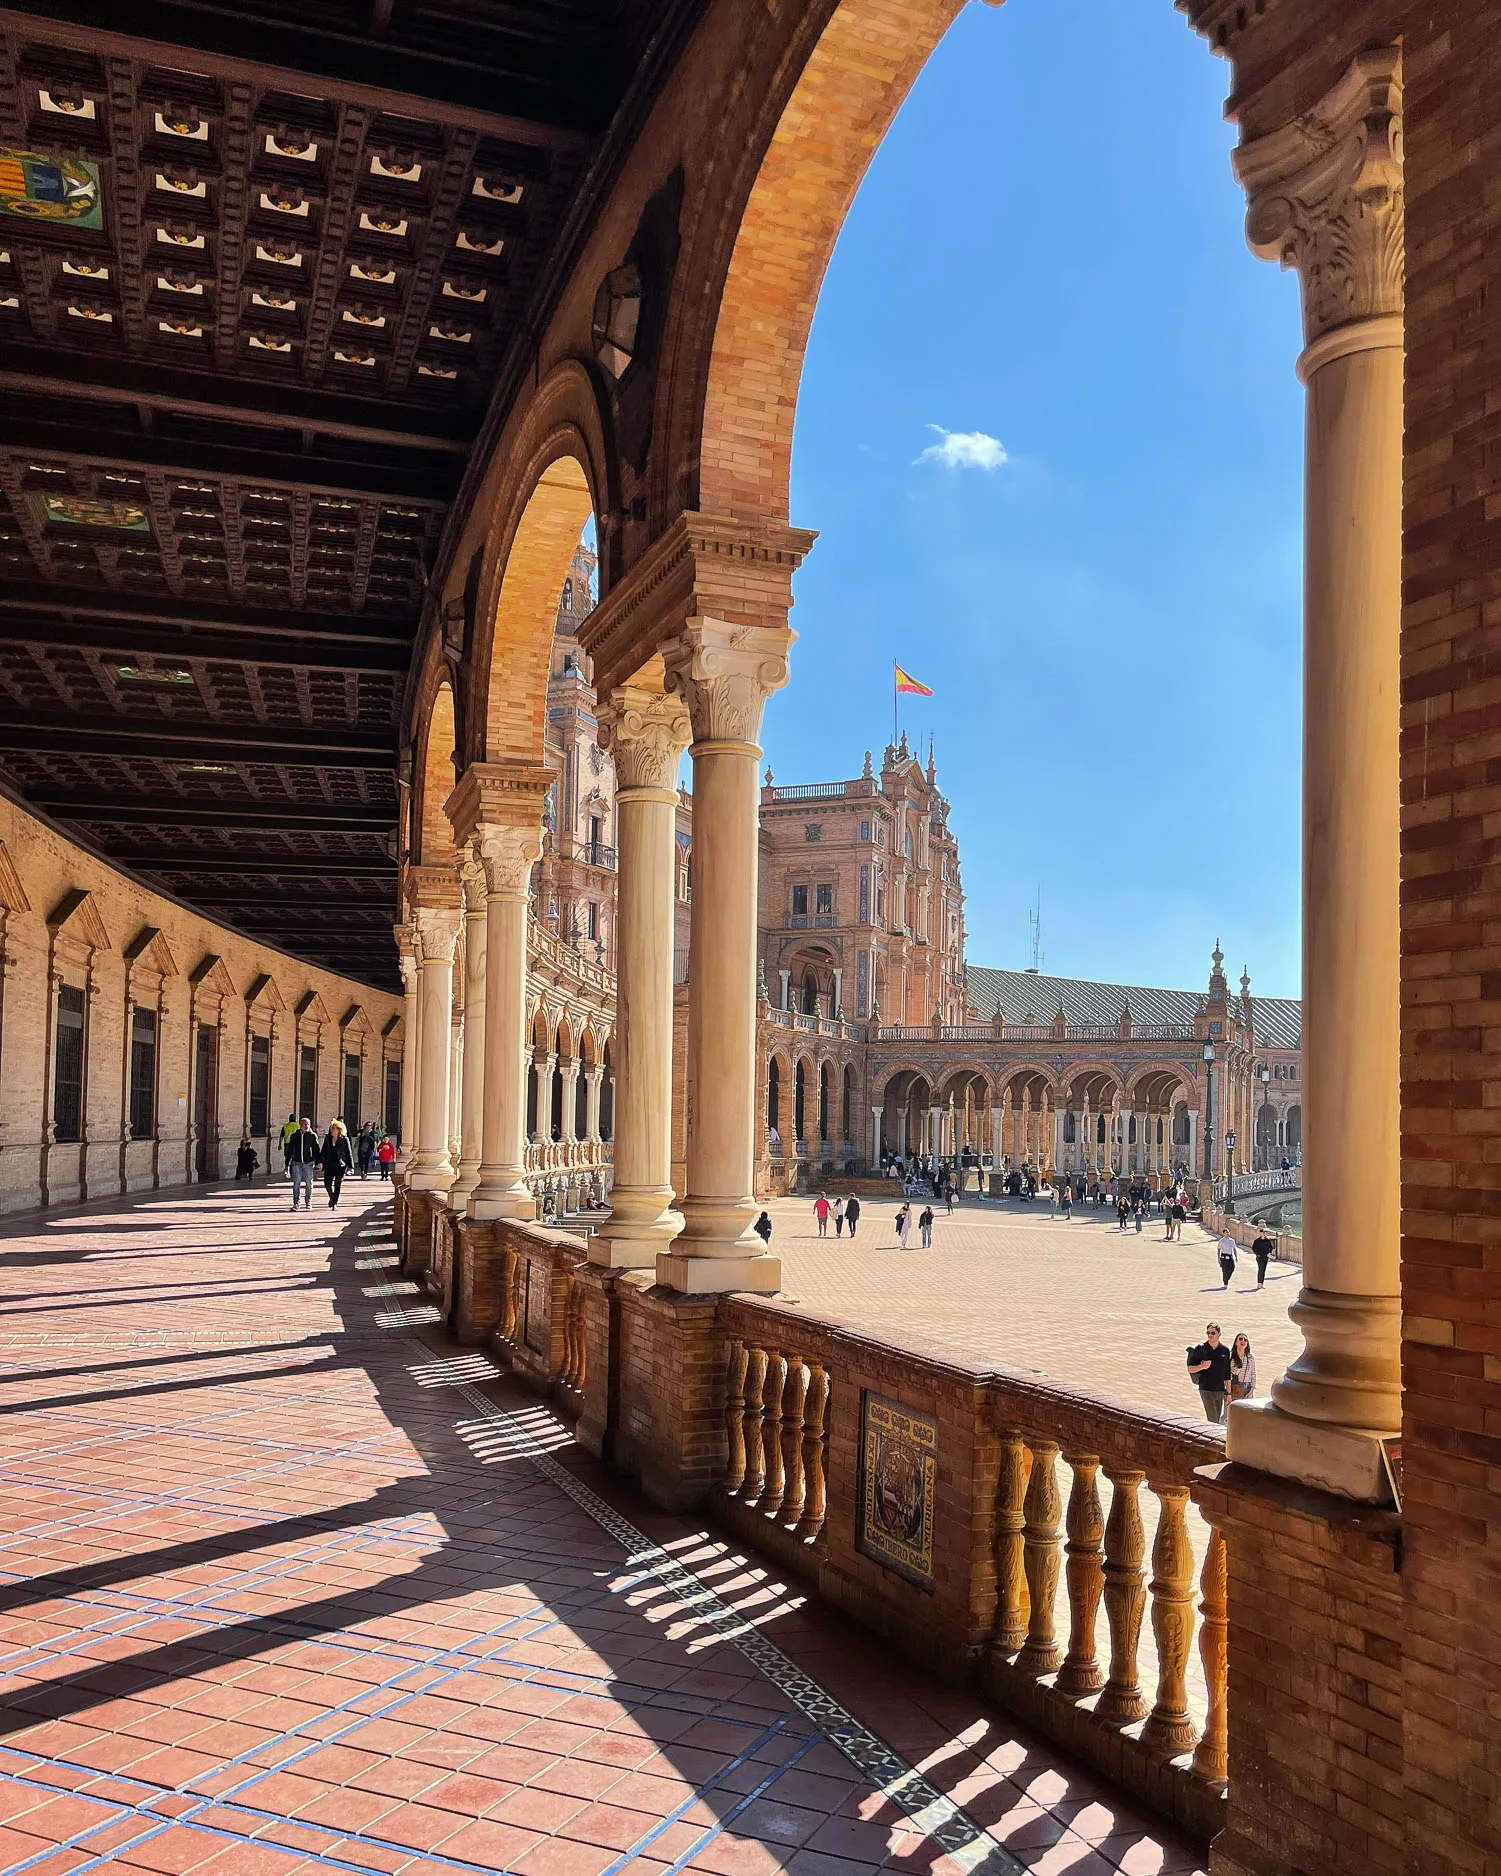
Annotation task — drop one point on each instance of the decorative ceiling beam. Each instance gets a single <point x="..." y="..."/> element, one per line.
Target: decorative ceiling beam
<point x="175" y="811"/>
<point x="98" y="602"/>
<point x="53" y="373"/>
<point x="176" y="739"/>
<point x="71" y="441"/>
<point x="124" y="639"/>
<point x="250" y="900"/>
<point x="190" y="860"/>
<point x="544" y="113"/>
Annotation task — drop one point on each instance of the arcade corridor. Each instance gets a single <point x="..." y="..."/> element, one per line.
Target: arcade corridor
<point x="291" y="1580"/>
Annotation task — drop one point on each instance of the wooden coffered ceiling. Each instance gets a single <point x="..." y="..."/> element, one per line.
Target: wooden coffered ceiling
<point x="262" y="266"/>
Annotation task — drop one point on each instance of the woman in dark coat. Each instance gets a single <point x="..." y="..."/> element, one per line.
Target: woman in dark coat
<point x="336" y="1160"/>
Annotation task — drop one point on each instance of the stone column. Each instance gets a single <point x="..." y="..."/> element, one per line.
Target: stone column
<point x="875" y="1136"/>
<point x="496" y="809"/>
<point x="406" y="943"/>
<point x="786" y="977"/>
<point x="431" y="1170"/>
<point x="934" y="1132"/>
<point x="836" y="1008"/>
<point x="1326" y="198"/>
<point x="724" y="674"/>
<point x="456" y="1077"/>
<point x="472" y="1090"/>
<point x="1059" y="1114"/>
<point x="594" y="1074"/>
<point x="568" y="1072"/>
<point x="648" y="733"/>
<point x="997" y="1137"/>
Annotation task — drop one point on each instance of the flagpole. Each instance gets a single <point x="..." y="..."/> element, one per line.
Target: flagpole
<point x="893" y="703"/>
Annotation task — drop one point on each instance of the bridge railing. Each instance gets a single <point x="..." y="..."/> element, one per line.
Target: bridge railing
<point x="1243" y="1185"/>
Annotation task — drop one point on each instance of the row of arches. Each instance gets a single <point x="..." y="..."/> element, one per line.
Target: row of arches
<point x="570" y="1085"/>
<point x="808" y="1101"/>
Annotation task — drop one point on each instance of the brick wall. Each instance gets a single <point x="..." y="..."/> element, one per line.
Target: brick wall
<point x="93" y="953"/>
<point x="1451" y="940"/>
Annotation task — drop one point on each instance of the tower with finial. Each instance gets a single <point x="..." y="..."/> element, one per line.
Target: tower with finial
<point x="1218" y="986"/>
<point x="932" y="765"/>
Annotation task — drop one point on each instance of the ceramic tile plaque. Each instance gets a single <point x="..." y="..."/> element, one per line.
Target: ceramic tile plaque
<point x="534" y="1316"/>
<point x="898" y="1486"/>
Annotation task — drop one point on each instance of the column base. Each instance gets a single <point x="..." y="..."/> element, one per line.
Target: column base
<point x="641" y="1225"/>
<point x="431" y="1179"/>
<point x="709" y="1276"/>
<point x="1347" y="1461"/>
<point x="505" y="1196"/>
<point x="462" y="1189"/>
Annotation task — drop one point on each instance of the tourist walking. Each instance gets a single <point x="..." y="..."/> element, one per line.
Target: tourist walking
<point x="1261" y="1249"/>
<point x="1066" y="1201"/>
<point x="852" y="1213"/>
<point x="948" y="1196"/>
<point x="336" y="1160"/>
<point x="1209" y="1365"/>
<point x="1242" y="1369"/>
<point x="1179" y="1213"/>
<point x="839" y="1218"/>
<point x="385" y="1153"/>
<point x="1225" y="1250"/>
<point x="1140" y="1213"/>
<point x="367" y="1148"/>
<point x="1122" y="1214"/>
<point x="925" y="1228"/>
<point x="821" y="1213"/>
<point x="247" y="1159"/>
<point x="302" y="1152"/>
<point x="904" y="1224"/>
<point x="762" y="1227"/>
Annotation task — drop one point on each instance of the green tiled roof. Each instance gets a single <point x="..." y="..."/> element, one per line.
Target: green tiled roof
<point x="1023" y="997"/>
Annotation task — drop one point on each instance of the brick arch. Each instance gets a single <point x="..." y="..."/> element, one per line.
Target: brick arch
<point x="435" y="774"/>
<point x="1008" y="1073"/>
<point x="1162" y="1071"/>
<point x="882" y="1086"/>
<point x="841" y="94"/>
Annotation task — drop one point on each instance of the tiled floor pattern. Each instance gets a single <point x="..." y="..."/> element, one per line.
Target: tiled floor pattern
<point x="1081" y="1301"/>
<point x="289" y="1582"/>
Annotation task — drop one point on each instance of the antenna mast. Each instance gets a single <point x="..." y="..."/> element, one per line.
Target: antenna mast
<point x="1034" y="919"/>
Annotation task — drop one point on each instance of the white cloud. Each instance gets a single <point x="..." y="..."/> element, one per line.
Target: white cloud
<point x="964" y="449"/>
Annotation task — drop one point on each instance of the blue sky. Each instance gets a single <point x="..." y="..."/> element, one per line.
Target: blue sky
<point x="1048" y="251"/>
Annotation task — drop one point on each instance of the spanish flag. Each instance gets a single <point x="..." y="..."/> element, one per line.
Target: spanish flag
<point x="909" y="686"/>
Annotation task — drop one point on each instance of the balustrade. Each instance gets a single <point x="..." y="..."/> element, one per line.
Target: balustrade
<point x="776" y="1423"/>
<point x="1105" y="1558"/>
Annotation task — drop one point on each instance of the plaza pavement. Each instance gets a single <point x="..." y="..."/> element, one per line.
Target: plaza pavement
<point x="291" y="1582"/>
<point x="1012" y="1282"/>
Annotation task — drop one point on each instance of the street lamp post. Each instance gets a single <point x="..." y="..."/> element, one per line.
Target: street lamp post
<point x="1209" y="1115"/>
<point x="1265" y="1074"/>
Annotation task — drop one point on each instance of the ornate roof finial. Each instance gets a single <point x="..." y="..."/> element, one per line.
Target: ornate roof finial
<point x="767" y="782"/>
<point x="1245" y="981"/>
<point x="1217" y="956"/>
<point x="932" y="765"/>
<point x="866" y="774"/>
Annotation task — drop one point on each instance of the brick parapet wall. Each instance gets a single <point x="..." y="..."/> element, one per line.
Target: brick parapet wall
<point x="1316" y="1641"/>
<point x="1451" y="941"/>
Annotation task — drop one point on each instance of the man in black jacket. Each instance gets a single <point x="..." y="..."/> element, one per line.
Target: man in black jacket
<point x="1209" y="1364"/>
<point x="303" y="1153"/>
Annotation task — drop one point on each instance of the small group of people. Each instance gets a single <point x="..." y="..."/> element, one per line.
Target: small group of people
<point x="842" y="1211"/>
<point x="1221" y="1374"/>
<point x="924" y="1226"/>
<point x="302" y="1151"/>
<point x="1227" y="1254"/>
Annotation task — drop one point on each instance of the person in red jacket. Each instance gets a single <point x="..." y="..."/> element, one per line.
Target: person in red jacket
<point x="386" y="1154"/>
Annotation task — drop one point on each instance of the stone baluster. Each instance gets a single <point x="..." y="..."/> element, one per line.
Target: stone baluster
<point x="755" y="1458"/>
<point x="508" y="1281"/>
<point x="794" y="1396"/>
<point x="1010" y="1521"/>
<point x="734" y="1416"/>
<point x="1123" y="1700"/>
<point x="771" y="1434"/>
<point x="815" y="1416"/>
<point x="1042" y="1555"/>
<point x="1211" y="1755"/>
<point x="1170" y="1728"/>
<point x="1081" y="1672"/>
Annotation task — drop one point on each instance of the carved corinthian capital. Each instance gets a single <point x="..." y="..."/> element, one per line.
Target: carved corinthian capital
<point x="1325" y="195"/>
<point x="647" y="733"/>
<point x="437" y="932"/>
<point x="724" y="674"/>
<point x="507" y="854"/>
<point x="472" y="879"/>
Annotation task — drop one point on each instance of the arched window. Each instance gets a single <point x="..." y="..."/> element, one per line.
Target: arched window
<point x="799" y="1102"/>
<point x="773" y="1098"/>
<point x="606" y="1097"/>
<point x="823" y="1103"/>
<point x="810" y="992"/>
<point x="849" y="1105"/>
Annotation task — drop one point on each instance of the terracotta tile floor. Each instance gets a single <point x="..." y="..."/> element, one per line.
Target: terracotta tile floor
<point x="289" y="1581"/>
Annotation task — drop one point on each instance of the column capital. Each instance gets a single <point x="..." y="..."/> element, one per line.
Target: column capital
<point x="438" y="932"/>
<point x="701" y="565"/>
<point x="646" y="731"/>
<point x="472" y="880"/>
<point x="428" y="889"/>
<point x="1325" y="196"/>
<point x="503" y="794"/>
<point x="724" y="674"/>
<point x="507" y="855"/>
